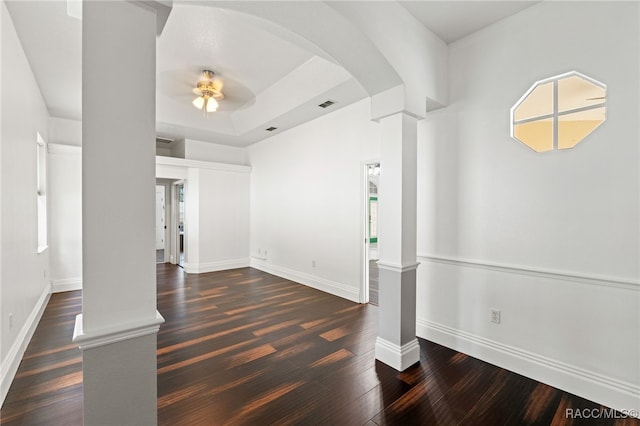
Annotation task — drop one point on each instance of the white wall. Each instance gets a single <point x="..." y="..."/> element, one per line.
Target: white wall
<point x="24" y="276"/>
<point x="164" y="151"/>
<point x="65" y="203"/>
<point x="221" y="230"/>
<point x="217" y="219"/>
<point x="306" y="195"/>
<point x="191" y="149"/>
<point x="552" y="239"/>
<point x="177" y="148"/>
<point x="417" y="54"/>
<point x="65" y="216"/>
<point x="205" y="151"/>
<point x="65" y="131"/>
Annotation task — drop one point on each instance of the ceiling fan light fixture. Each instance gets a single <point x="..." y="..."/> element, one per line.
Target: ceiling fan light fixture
<point x="208" y="92"/>
<point x="211" y="105"/>
<point x="198" y="102"/>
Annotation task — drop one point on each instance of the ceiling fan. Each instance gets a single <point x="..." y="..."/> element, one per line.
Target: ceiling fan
<point x="209" y="91"/>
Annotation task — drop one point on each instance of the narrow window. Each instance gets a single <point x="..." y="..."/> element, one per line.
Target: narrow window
<point x="41" y="191"/>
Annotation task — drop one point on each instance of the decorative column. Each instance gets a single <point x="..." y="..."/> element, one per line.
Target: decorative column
<point x="117" y="328"/>
<point x="396" y="344"/>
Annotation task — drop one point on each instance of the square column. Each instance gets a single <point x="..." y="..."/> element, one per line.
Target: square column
<point x="396" y="344"/>
<point x="117" y="328"/>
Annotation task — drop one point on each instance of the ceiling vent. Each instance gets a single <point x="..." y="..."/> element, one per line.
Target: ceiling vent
<point x="326" y="104"/>
<point x="271" y="129"/>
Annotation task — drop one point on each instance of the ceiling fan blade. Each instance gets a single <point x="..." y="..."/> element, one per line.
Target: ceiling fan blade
<point x="174" y="83"/>
<point x="595" y="99"/>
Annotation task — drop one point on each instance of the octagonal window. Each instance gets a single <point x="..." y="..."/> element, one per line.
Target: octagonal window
<point x="559" y="112"/>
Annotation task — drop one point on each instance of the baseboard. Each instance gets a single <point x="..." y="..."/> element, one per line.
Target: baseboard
<point x="14" y="356"/>
<point x="398" y="357"/>
<point x="617" y="394"/>
<point x="322" y="284"/>
<point x="221" y="265"/>
<point x="67" y="284"/>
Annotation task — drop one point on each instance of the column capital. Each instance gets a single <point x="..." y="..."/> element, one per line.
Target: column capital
<point x="394" y="101"/>
<point x="397" y="267"/>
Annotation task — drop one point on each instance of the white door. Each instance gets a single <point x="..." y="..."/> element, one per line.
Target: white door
<point x="159" y="217"/>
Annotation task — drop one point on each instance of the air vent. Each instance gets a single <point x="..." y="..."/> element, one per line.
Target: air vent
<point x="326" y="104"/>
<point x="271" y="129"/>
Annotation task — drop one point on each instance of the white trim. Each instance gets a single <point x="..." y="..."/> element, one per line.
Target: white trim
<point x="16" y="351"/>
<point x="614" y="393"/>
<point x="398" y="357"/>
<point x="328" y="286"/>
<point x="221" y="265"/>
<point x="61" y="149"/>
<point x="599" y="280"/>
<point x="363" y="288"/>
<point x="391" y="114"/>
<point x="66" y="284"/>
<point x="116" y="334"/>
<point x="174" y="255"/>
<point x="185" y="163"/>
<point x="395" y="267"/>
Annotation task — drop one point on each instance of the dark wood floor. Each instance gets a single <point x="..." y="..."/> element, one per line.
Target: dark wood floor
<point x="244" y="347"/>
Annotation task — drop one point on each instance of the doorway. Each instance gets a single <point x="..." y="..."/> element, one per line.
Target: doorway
<point x="179" y="222"/>
<point x="170" y="222"/>
<point x="371" y="173"/>
<point x="160" y="223"/>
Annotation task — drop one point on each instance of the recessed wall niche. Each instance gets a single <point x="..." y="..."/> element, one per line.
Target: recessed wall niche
<point x="559" y="112"/>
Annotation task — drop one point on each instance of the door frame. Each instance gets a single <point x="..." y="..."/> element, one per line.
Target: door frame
<point x="175" y="223"/>
<point x="165" y="240"/>
<point x="364" y="229"/>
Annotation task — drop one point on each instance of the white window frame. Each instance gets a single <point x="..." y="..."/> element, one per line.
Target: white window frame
<point x="555" y="114"/>
<point x="41" y="192"/>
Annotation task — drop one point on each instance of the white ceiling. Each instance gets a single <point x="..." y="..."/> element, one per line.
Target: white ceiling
<point x="452" y="20"/>
<point x="270" y="78"/>
<point x="249" y="60"/>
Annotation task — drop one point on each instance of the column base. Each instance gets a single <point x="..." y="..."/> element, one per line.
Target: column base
<point x="395" y="356"/>
<point x="109" y="335"/>
<point x="120" y="383"/>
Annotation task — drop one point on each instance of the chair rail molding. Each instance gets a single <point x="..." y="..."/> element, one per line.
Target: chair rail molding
<point x="598" y="280"/>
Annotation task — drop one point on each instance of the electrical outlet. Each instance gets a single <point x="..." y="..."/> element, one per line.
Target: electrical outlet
<point x="495" y="316"/>
<point x="10" y="320"/>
